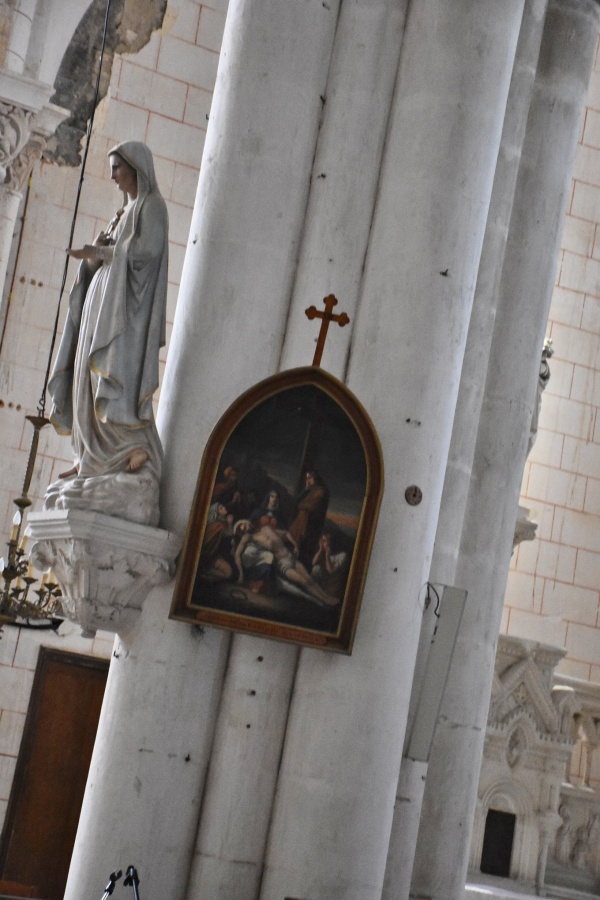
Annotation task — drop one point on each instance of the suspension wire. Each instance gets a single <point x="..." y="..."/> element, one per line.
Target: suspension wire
<point x="11" y="291"/>
<point x="42" y="401"/>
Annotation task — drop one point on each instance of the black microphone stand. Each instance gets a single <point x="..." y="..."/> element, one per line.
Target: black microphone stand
<point x="131" y="878"/>
<point x="114" y="877"/>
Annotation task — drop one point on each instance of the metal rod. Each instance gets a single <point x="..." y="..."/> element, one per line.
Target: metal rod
<point x="112" y="880"/>
<point x="131" y="878"/>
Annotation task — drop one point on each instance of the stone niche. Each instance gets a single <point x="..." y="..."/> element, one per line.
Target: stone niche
<point x="528" y="746"/>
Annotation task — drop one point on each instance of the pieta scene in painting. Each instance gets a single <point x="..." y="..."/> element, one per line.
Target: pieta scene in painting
<point x="281" y="517"/>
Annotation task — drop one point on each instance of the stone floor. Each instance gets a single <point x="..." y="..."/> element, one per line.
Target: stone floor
<point x="489" y="888"/>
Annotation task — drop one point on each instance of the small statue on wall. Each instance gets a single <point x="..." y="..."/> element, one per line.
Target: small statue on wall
<point x="106" y="369"/>
<point x="543" y="379"/>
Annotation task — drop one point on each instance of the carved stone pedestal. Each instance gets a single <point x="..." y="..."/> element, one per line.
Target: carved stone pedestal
<point x="105" y="566"/>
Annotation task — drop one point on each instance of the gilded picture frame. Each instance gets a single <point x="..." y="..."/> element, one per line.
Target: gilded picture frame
<point x="284" y="514"/>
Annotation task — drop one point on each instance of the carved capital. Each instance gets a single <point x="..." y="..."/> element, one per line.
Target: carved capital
<point x="15" y="130"/>
<point x="104" y="566"/>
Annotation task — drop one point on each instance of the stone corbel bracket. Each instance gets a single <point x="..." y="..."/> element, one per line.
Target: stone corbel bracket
<point x="105" y="566"/>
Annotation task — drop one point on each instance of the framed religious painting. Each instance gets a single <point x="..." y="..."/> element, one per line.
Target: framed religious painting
<point x="280" y="533"/>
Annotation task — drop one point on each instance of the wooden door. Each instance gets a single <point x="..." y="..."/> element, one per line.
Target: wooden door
<point x="52" y="767"/>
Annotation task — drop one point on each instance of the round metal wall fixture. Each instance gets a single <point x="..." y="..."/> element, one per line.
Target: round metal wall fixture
<point x="413" y="495"/>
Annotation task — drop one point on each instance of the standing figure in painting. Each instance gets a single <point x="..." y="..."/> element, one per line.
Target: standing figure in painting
<point x="227" y="491"/>
<point x="311" y="509"/>
<point x="215" y="555"/>
<point x="106" y="370"/>
<point x="269" y="512"/>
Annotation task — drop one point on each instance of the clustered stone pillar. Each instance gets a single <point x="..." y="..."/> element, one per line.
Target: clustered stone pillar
<point x="26" y="120"/>
<point x="20" y="32"/>
<point x="147" y="776"/>
<point x="237" y="807"/>
<point x="464" y="431"/>
<point x="335" y="793"/>
<point x="566" y="56"/>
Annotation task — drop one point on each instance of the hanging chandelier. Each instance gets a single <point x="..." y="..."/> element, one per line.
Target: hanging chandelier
<point x="20" y="601"/>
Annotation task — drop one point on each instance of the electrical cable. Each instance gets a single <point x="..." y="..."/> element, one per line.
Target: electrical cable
<point x="42" y="401"/>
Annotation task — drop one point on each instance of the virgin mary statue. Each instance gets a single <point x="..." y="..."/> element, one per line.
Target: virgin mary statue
<point x="106" y="369"/>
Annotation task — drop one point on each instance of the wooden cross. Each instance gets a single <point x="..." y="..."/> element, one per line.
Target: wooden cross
<point x="313" y="313"/>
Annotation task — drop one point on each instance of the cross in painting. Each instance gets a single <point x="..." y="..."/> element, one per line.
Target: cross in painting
<point x="328" y="316"/>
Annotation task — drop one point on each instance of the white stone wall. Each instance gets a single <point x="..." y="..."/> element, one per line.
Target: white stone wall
<point x="553" y="592"/>
<point x="162" y="96"/>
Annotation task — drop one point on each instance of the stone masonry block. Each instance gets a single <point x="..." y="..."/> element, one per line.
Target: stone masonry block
<point x="197" y="108"/>
<point x="15" y="688"/>
<point x="185" y="184"/>
<point x="562" y="378"/>
<point x="578" y="234"/>
<point x="181" y="20"/>
<point x="548" y="629"/>
<point x="586" y="385"/>
<point x="179" y="223"/>
<point x="567" y="308"/>
<point x="148" y="55"/>
<point x="217" y="5"/>
<point x="590" y="317"/>
<point x="576" y="346"/>
<point x="548" y="448"/>
<point x="587" y="571"/>
<point x="587" y="164"/>
<point x="580" y="274"/>
<point x="212" y="25"/>
<point x="152" y="91"/>
<point x="165" y="173"/>
<point x="176" y="257"/>
<point x="125" y="121"/>
<point x="585" y="205"/>
<point x="182" y="142"/>
<point x="591" y="130"/>
<point x="187" y="62"/>
<point x="11" y="731"/>
<point x="577" y="529"/>
<point x="553" y="486"/>
<point x="574" y="604"/>
<point x="7" y="771"/>
<point x="520" y="590"/>
<point x="8" y="644"/>
<point x="583" y="642"/>
<point x="581" y="457"/>
<point x="592" y="497"/>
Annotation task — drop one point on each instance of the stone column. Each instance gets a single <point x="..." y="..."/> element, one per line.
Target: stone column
<point x="15" y="126"/>
<point x="237" y="807"/>
<point x="333" y="808"/>
<point x="25" y="133"/>
<point x="566" y="57"/>
<point x="149" y="766"/>
<point x="18" y="44"/>
<point x="464" y="431"/>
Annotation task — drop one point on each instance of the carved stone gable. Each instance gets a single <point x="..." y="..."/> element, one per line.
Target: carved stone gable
<point x="523" y="687"/>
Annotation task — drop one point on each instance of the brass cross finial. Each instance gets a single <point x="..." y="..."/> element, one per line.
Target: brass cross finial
<point x="313" y="313"/>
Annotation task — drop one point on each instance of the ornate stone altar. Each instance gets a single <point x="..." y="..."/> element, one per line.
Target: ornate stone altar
<point x="529" y="741"/>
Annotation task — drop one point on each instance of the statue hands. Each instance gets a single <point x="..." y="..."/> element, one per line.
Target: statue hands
<point x="90" y="251"/>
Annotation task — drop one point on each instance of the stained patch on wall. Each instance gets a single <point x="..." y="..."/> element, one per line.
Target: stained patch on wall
<point x="131" y="24"/>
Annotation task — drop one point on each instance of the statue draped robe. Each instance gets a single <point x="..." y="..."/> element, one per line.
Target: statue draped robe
<point x="106" y="369"/>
